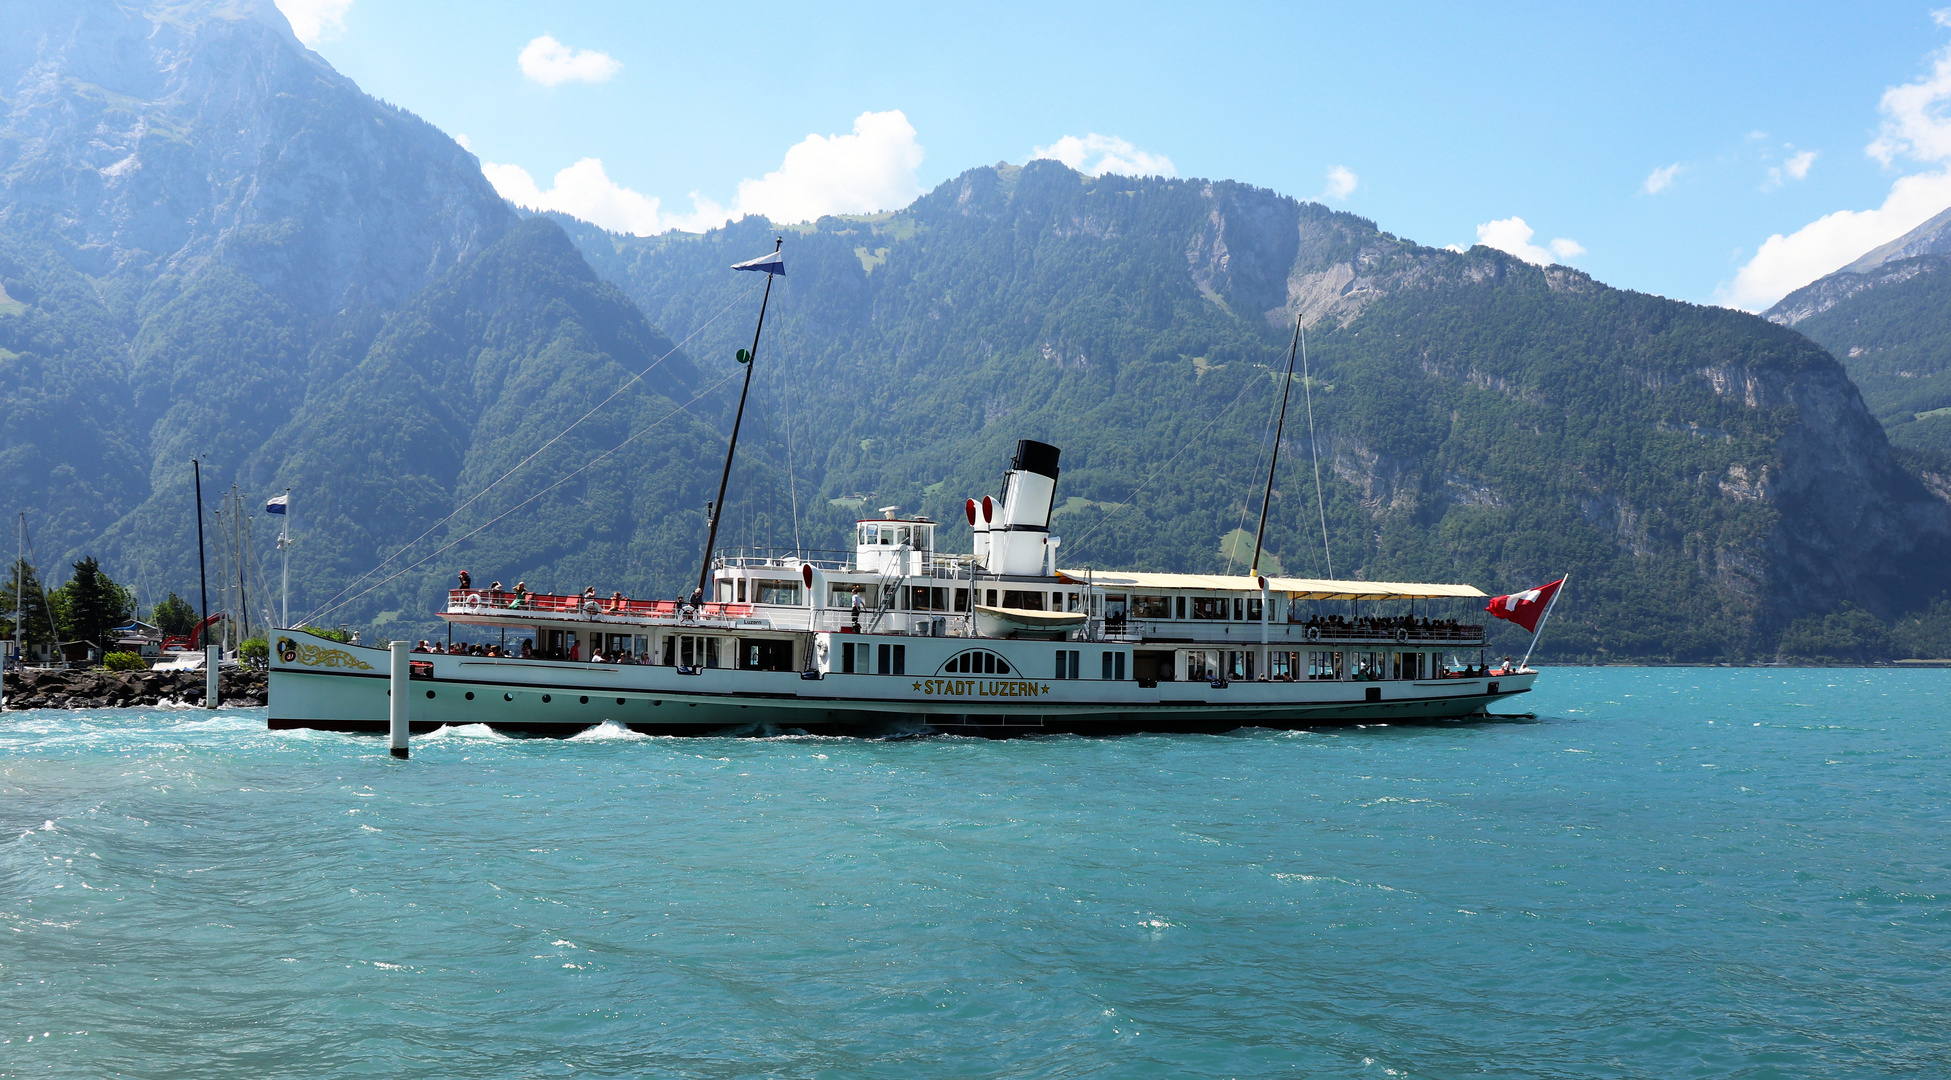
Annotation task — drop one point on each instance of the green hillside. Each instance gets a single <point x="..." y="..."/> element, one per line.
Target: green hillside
<point x="1478" y="419"/>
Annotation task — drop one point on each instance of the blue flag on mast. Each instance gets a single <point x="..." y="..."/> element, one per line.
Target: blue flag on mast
<point x="277" y="505"/>
<point x="769" y="263"/>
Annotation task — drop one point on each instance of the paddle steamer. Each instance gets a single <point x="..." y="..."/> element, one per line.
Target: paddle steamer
<point x="995" y="641"/>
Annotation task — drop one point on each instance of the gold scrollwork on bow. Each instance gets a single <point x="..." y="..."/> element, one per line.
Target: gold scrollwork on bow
<point x="318" y="656"/>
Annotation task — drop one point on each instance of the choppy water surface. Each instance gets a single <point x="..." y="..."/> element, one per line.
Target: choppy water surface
<point x="1671" y="873"/>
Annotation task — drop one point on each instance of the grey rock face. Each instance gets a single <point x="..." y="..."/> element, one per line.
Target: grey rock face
<point x="153" y="139"/>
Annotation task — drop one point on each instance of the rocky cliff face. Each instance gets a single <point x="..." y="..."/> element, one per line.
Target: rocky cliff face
<point x="153" y="139"/>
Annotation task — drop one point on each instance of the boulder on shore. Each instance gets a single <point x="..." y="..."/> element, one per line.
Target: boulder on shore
<point x="102" y="689"/>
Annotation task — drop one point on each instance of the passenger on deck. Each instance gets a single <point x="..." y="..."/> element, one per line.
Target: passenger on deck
<point x="494" y="592"/>
<point x="528" y="648"/>
<point x="617" y="602"/>
<point x="596" y="657"/>
<point x="466" y="581"/>
<point x="521" y="595"/>
<point x="423" y="646"/>
<point x="858" y="604"/>
<point x="574" y="650"/>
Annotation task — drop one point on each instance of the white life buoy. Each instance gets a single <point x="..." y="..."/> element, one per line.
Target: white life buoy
<point x="474" y="599"/>
<point x="1402" y="634"/>
<point x="590" y="607"/>
<point x="1314" y="633"/>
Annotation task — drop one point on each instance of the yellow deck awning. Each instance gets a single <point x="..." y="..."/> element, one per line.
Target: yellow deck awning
<point x="1294" y="588"/>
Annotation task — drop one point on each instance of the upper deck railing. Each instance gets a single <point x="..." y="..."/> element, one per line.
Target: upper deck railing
<point x="503" y="602"/>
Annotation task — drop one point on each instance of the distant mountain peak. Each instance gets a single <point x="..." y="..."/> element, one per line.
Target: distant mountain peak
<point x="1931" y="238"/>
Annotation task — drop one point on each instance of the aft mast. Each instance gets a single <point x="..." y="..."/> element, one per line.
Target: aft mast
<point x="769" y="265"/>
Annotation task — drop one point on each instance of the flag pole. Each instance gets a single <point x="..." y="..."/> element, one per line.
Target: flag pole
<point x="1542" y="620"/>
<point x="751" y="359"/>
<point x="284" y="583"/>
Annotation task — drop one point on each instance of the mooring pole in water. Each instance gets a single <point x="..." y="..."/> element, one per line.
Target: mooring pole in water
<point x="396" y="711"/>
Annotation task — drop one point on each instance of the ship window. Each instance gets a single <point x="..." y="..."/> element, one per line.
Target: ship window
<point x="893" y="660"/>
<point x="1070" y="602"/>
<point x="1253" y="610"/>
<point x="885" y="536"/>
<point x="976" y="662"/>
<point x="991" y="602"/>
<point x="1067" y="664"/>
<point x="1324" y="665"/>
<point x="1023" y="601"/>
<point x="1182" y="607"/>
<point x="778" y="592"/>
<point x="741" y="590"/>
<point x="930" y="598"/>
<point x="1209" y="607"/>
<point x="961" y="599"/>
<point x="1114" y="665"/>
<point x="904" y="536"/>
<point x="1236" y="608"/>
<point x="1150" y="607"/>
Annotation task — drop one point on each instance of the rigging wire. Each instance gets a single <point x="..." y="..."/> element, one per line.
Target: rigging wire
<point x="1188" y="444"/>
<point x="40" y="582"/>
<point x="627" y="384"/>
<point x="1314" y="452"/>
<point x="1247" y="502"/>
<point x="586" y="466"/>
<point x="794" y="321"/>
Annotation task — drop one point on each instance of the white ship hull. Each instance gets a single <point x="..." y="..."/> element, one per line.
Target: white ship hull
<point x="322" y="684"/>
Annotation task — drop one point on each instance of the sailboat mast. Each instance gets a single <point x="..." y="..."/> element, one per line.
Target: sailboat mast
<point x="1267" y="498"/>
<point x="202" y="576"/>
<point x="751" y="359"/>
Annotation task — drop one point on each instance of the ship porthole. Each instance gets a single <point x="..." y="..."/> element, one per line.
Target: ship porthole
<point x="619" y="701"/>
<point x="545" y="699"/>
<point x="430" y="693"/>
<point x="659" y="703"/>
<point x="584" y="699"/>
<point x="470" y="695"/>
<point x="507" y="697"/>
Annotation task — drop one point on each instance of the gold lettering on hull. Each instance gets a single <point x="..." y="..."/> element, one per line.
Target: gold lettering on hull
<point x="997" y="688"/>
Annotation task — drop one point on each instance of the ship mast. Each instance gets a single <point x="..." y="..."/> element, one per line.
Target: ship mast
<point x="1267" y="499"/>
<point x="770" y="265"/>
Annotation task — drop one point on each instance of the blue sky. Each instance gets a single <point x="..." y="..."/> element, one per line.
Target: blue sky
<point x="1657" y="146"/>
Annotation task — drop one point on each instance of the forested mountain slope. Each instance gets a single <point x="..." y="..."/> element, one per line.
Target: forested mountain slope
<point x="1706" y="476"/>
<point x="213" y="245"/>
<point x="196" y="213"/>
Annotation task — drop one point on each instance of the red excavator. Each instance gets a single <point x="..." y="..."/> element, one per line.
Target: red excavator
<point x="195" y="639"/>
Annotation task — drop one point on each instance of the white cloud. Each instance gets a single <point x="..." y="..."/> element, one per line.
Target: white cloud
<point x="1833" y="241"/>
<point x="870" y="170"/>
<point x="311" y="20"/>
<point x="1662" y="178"/>
<point x="1513" y="236"/>
<point x="873" y="169"/>
<point x="1914" y="127"/>
<point x="585" y="191"/>
<point x="552" y="63"/>
<point x="1795" y="168"/>
<point x="1341" y="183"/>
<point x="1095" y="155"/>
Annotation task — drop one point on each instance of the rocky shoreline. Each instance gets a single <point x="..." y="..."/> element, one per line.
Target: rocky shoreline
<point x="100" y="689"/>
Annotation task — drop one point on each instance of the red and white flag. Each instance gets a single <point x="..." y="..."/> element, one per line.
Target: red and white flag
<point x="1525" y="608"/>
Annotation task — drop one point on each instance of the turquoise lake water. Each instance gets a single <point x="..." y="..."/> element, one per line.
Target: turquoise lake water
<point x="1671" y="873"/>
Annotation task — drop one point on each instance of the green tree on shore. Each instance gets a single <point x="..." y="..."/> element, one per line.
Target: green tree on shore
<point x="39" y="624"/>
<point x="91" y="604"/>
<point x="175" y="617"/>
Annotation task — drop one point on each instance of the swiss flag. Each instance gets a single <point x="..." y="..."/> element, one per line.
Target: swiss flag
<point x="1525" y="608"/>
